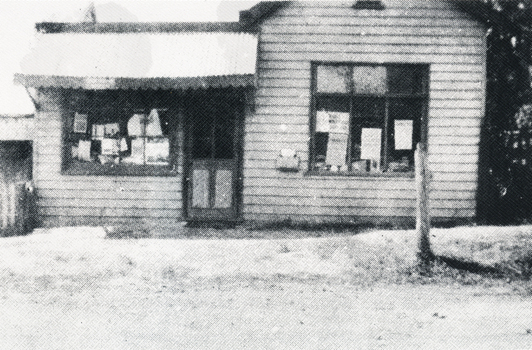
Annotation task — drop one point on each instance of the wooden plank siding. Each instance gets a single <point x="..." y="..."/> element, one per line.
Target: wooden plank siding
<point x="409" y="31"/>
<point x="87" y="200"/>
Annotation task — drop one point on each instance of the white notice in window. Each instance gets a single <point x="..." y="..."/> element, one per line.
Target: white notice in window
<point x="336" y="149"/>
<point x="338" y="122"/>
<point x="371" y="144"/>
<point x="338" y="136"/>
<point x="84" y="150"/>
<point x="322" y="121"/>
<point x="403" y="130"/>
<point x="110" y="147"/>
<point x="98" y="131"/>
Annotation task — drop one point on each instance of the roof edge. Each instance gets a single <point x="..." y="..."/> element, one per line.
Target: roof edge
<point x="138" y="27"/>
<point x="104" y="83"/>
<point x="255" y="15"/>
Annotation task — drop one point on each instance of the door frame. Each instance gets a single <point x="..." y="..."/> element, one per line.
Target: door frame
<point x="239" y="96"/>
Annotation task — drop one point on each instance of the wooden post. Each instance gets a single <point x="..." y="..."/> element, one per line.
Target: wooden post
<point x="424" y="253"/>
<point x="3" y="207"/>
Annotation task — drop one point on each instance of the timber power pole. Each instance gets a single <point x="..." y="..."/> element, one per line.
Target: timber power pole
<point x="424" y="252"/>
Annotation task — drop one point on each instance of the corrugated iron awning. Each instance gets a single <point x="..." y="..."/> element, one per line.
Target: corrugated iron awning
<point x="140" y="61"/>
<point x="96" y="83"/>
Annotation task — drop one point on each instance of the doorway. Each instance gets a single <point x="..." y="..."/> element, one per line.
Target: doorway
<point x="214" y="153"/>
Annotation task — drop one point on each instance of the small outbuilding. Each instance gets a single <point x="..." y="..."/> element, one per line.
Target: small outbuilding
<point x="307" y="111"/>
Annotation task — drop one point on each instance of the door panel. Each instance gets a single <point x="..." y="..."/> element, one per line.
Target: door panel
<point x="223" y="197"/>
<point x="212" y="190"/>
<point x="200" y="188"/>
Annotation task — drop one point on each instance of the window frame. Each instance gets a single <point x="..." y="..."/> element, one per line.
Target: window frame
<point x="423" y="96"/>
<point x="86" y="102"/>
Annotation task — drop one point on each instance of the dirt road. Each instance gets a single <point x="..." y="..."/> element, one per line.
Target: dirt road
<point x="71" y="288"/>
<point x="258" y="314"/>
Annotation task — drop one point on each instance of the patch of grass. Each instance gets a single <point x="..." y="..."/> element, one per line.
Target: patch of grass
<point x="317" y="229"/>
<point x="381" y="257"/>
<point x="126" y="232"/>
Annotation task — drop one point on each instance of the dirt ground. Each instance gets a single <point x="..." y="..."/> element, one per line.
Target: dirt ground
<point x="62" y="290"/>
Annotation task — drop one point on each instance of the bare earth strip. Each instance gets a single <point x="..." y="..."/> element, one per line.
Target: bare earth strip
<point x="73" y="289"/>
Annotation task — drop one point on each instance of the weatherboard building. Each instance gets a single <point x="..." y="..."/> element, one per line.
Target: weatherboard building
<point x="306" y="111"/>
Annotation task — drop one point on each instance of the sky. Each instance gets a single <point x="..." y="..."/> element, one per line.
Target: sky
<point x="18" y="18"/>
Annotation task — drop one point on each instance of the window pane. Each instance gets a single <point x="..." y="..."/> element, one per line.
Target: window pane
<point x="369" y="80"/>
<point x="404" y="132"/>
<point x="333" y="79"/>
<point x="406" y="79"/>
<point x="382" y="106"/>
<point x="331" y="132"/>
<point x="224" y="129"/>
<point x="223" y="142"/>
<point x="332" y="103"/>
<point x="368" y="118"/>
<point x="202" y="137"/>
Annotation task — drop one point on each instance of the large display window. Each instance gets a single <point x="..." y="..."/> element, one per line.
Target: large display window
<point x="120" y="133"/>
<point x="366" y="118"/>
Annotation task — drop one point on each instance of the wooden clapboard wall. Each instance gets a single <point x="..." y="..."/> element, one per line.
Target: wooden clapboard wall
<point x="84" y="200"/>
<point x="419" y="31"/>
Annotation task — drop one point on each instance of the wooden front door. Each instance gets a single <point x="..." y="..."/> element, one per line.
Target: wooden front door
<point x="213" y="169"/>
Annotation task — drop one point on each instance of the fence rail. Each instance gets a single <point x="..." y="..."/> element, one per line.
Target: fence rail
<point x="17" y="209"/>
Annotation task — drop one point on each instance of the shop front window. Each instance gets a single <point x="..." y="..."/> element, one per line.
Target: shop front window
<point x="367" y="118"/>
<point x="118" y="132"/>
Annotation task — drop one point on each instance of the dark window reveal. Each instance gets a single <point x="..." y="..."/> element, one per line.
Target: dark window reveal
<point x="368" y="5"/>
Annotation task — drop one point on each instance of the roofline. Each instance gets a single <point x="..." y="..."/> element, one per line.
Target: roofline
<point x="478" y="9"/>
<point x="247" y="23"/>
<point x="255" y="15"/>
<point x="249" y="20"/>
<point x="138" y="27"/>
<point x="118" y="83"/>
<point x="16" y="116"/>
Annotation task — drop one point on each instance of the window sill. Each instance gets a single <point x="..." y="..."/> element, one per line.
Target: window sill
<point x="95" y="169"/>
<point x="408" y="175"/>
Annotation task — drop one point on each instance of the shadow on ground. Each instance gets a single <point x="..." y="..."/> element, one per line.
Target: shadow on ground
<point x="520" y="268"/>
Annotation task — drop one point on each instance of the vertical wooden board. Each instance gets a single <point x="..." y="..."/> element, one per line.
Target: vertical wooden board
<point x="223" y="189"/>
<point x="12" y="204"/>
<point x="4" y="204"/>
<point x="200" y="188"/>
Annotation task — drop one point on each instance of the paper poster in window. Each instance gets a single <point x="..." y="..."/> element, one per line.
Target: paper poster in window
<point x="403" y="130"/>
<point x="371" y="144"/>
<point x="338" y="122"/>
<point x="112" y="129"/>
<point x="153" y="124"/>
<point x="338" y="136"/>
<point x="136" y="125"/>
<point x="110" y="146"/>
<point x="137" y="149"/>
<point x="336" y="149"/>
<point x="80" y="123"/>
<point x="322" y="121"/>
<point x="123" y="145"/>
<point x="157" y="150"/>
<point x="84" y="150"/>
<point x="98" y="131"/>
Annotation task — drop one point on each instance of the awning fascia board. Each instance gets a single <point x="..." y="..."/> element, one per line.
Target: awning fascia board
<point x="118" y="83"/>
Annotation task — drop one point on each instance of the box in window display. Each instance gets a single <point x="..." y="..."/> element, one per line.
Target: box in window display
<point x="137" y="151"/>
<point x="157" y="150"/>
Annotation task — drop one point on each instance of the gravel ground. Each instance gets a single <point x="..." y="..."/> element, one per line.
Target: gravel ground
<point x="71" y="288"/>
